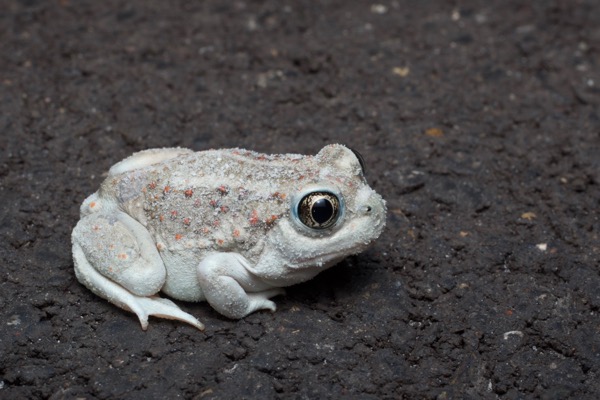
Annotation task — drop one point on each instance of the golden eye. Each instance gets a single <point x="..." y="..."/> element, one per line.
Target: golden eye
<point x="319" y="210"/>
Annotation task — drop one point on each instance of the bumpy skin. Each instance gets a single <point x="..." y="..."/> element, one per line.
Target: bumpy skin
<point x="217" y="225"/>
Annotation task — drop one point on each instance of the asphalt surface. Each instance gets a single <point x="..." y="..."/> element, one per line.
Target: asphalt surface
<point x="479" y="123"/>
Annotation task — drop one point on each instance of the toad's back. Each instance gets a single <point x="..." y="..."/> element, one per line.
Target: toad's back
<point x="213" y="200"/>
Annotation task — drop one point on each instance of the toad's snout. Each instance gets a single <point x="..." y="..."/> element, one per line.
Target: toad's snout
<point x="372" y="206"/>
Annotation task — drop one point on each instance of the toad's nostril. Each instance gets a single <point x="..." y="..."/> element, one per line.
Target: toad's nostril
<point x="369" y="208"/>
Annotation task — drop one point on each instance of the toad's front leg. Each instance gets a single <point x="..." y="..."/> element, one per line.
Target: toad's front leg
<point x="231" y="289"/>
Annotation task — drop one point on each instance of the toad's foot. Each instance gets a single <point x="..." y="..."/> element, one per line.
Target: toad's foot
<point x="162" y="308"/>
<point x="260" y="300"/>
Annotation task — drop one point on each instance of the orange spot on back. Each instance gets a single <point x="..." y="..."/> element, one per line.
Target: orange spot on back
<point x="278" y="195"/>
<point x="271" y="219"/>
<point x="178" y="236"/>
<point x="188" y="193"/>
<point x="254" y="218"/>
<point x="92" y="204"/>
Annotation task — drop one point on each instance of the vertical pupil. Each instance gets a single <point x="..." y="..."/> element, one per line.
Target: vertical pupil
<point x="322" y="211"/>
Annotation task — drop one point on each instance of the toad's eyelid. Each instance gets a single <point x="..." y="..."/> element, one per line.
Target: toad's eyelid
<point x="361" y="160"/>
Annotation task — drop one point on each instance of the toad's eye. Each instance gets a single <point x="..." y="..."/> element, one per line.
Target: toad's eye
<point x="319" y="210"/>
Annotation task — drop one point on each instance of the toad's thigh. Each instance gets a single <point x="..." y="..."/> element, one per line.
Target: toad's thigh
<point x="121" y="249"/>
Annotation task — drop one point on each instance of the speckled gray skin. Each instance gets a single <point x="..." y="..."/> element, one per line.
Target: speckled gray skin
<point x="218" y="225"/>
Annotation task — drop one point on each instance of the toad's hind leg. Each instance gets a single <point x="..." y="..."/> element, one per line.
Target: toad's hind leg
<point x="115" y="258"/>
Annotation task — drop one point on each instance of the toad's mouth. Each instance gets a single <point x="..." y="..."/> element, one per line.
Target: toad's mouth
<point x="325" y="260"/>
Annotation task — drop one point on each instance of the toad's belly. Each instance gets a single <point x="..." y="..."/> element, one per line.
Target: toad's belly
<point x="182" y="278"/>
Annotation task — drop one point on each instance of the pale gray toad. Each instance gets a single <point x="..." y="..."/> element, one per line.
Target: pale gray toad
<point x="231" y="227"/>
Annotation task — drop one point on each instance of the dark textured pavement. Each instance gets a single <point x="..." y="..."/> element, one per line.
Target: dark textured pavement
<point x="479" y="124"/>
